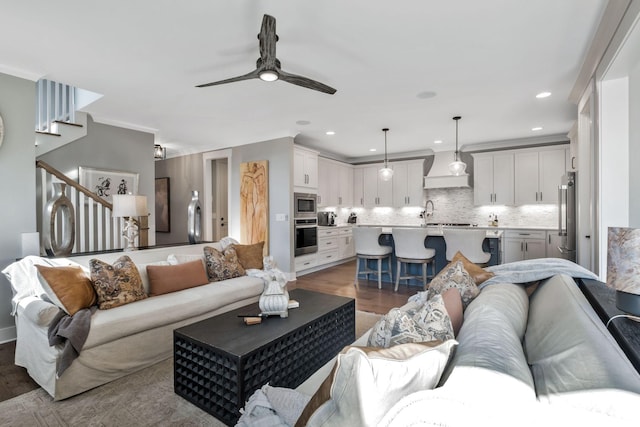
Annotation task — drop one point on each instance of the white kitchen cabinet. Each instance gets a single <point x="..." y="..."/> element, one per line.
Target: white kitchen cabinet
<point x="346" y="247"/>
<point x="524" y="244"/>
<point x="327" y="182"/>
<point x="304" y="262"/>
<point x="407" y="183"/>
<point x="376" y="192"/>
<point x="305" y="169"/>
<point x="493" y="178"/>
<point x="358" y="187"/>
<point x="553" y="241"/>
<point x="335" y="183"/>
<point x="537" y="175"/>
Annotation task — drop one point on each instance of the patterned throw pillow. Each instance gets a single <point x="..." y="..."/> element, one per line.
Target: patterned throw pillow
<point x="116" y="284"/>
<point x="429" y="322"/>
<point x="455" y="276"/>
<point x="222" y="265"/>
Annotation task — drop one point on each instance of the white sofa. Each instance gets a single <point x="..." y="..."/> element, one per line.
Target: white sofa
<point x="127" y="338"/>
<point x="543" y="360"/>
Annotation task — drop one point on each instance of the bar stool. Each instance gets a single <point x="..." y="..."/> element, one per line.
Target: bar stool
<point x="410" y="249"/>
<point x="368" y="247"/>
<point x="468" y="242"/>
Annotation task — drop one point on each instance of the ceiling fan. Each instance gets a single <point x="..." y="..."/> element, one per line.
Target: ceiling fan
<point x="268" y="66"/>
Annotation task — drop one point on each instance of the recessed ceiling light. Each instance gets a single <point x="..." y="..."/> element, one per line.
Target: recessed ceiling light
<point x="330" y="132"/>
<point x="543" y="95"/>
<point x="437" y="141"/>
<point x="372" y="149"/>
<point x="303" y="122"/>
<point x="537" y="128"/>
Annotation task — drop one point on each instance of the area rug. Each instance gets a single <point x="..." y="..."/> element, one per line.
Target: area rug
<point x="145" y="398"/>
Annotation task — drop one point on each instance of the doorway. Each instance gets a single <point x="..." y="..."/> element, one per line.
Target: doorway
<point x="216" y="195"/>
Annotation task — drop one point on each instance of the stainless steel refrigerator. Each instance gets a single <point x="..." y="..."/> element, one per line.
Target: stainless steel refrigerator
<point x="567" y="216"/>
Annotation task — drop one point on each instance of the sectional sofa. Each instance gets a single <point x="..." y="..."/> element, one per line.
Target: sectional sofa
<point x="123" y="339"/>
<point x="546" y="359"/>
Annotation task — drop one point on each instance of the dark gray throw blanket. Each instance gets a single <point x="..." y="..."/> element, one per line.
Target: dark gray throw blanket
<point x="71" y="332"/>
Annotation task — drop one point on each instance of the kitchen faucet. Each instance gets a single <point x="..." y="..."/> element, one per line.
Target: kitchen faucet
<point x="426" y="213"/>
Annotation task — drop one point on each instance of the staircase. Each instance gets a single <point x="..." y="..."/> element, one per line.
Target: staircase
<point x="89" y="225"/>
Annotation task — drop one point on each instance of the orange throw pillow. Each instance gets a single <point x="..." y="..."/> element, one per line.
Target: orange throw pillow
<point x="171" y="278"/>
<point x="70" y="286"/>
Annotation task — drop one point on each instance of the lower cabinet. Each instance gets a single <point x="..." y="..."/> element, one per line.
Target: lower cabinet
<point x="553" y="241"/>
<point x="524" y="244"/>
<point x="334" y="244"/>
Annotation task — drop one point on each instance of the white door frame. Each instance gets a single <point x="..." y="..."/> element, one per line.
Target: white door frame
<point x="207" y="199"/>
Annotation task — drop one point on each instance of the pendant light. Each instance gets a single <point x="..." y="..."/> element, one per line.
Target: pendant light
<point x="457" y="167"/>
<point x="386" y="173"/>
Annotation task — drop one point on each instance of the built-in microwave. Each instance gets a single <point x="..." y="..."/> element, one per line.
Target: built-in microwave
<point x="304" y="205"/>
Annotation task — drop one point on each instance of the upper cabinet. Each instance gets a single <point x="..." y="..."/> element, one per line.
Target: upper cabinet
<point x="493" y="178"/>
<point x="376" y="192"/>
<point x="538" y="174"/>
<point x="358" y="187"/>
<point x="335" y="183"/>
<point x="305" y="169"/>
<point x="571" y="153"/>
<point x="407" y="183"/>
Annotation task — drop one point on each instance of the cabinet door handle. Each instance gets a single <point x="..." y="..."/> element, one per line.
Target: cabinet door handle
<point x="526" y="247"/>
<point x="541" y="196"/>
<point x="549" y="238"/>
<point x="521" y="246"/>
<point x="573" y="166"/>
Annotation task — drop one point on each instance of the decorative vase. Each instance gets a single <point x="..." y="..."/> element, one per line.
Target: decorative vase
<point x="60" y="226"/>
<point x="194" y="219"/>
<point x="274" y="300"/>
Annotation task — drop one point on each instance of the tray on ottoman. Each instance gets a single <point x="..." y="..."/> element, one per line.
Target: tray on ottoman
<point x="219" y="362"/>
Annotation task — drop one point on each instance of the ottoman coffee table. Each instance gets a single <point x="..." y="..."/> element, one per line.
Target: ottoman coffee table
<point x="219" y="362"/>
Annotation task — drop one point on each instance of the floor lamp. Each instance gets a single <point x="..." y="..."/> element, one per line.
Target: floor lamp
<point x="130" y="207"/>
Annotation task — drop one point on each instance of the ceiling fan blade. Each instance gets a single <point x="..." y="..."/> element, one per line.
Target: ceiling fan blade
<point x="305" y="82"/>
<point x="252" y="75"/>
<point x="268" y="39"/>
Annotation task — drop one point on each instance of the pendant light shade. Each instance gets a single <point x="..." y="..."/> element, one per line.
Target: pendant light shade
<point x="457" y="167"/>
<point x="386" y="173"/>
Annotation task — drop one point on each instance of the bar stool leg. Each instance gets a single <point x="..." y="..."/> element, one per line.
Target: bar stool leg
<point x="424" y="275"/>
<point x="398" y="271"/>
<point x="356" y="284"/>
<point x="379" y="273"/>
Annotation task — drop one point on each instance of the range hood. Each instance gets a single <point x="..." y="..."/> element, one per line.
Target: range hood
<point x="438" y="175"/>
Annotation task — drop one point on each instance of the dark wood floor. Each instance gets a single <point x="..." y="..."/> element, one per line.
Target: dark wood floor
<point x="337" y="280"/>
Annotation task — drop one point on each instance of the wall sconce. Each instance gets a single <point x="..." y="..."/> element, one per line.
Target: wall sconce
<point x="159" y="152"/>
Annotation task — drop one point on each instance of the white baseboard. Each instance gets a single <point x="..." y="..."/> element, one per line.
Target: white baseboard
<point x="7" y="334"/>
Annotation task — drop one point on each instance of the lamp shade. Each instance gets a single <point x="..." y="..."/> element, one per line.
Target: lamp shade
<point x="129" y="205"/>
<point x="623" y="267"/>
<point x="457" y="168"/>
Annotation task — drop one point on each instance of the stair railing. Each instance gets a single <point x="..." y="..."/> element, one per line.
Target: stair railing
<point x="56" y="102"/>
<point x="95" y="227"/>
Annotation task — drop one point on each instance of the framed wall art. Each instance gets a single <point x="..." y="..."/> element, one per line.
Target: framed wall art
<point x="163" y="211"/>
<point x="106" y="183"/>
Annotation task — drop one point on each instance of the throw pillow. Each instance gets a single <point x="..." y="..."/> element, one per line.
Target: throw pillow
<point x="67" y="287"/>
<point x="222" y="265"/>
<point x="116" y="284"/>
<point x="369" y="381"/>
<point x="171" y="278"/>
<point x="429" y="322"/>
<point x="454" y="276"/>
<point x="478" y="273"/>
<point x="453" y="304"/>
<point x="250" y="256"/>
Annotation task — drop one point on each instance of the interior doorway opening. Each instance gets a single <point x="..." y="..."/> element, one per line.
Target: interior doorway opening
<point x="216" y="195"/>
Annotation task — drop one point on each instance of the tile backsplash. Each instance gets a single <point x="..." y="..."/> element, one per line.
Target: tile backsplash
<point x="456" y="205"/>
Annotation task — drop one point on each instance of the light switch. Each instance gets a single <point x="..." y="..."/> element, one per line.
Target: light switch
<point x="281" y="217"/>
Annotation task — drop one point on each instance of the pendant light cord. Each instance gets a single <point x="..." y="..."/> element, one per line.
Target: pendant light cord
<point x="385" y="130"/>
<point x="456" y="118"/>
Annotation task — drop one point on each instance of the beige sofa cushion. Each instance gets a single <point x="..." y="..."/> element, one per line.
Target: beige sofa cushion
<point x="570" y="350"/>
<point x="109" y="325"/>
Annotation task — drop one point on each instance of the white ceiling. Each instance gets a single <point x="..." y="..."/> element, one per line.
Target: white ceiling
<point x="484" y="60"/>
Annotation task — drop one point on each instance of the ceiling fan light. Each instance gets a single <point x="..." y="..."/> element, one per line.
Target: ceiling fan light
<point x="385" y="173"/>
<point x="457" y="168"/>
<point x="268" y="76"/>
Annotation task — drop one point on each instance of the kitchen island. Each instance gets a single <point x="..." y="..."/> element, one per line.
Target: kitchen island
<point x="435" y="240"/>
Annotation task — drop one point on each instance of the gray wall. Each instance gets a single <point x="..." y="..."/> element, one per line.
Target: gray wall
<point x="17" y="182"/>
<point x="634" y="147"/>
<point x="279" y="153"/>
<point x="112" y="148"/>
<point x="185" y="175"/>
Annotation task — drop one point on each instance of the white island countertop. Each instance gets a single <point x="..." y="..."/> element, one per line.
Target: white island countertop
<point x="436" y="230"/>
